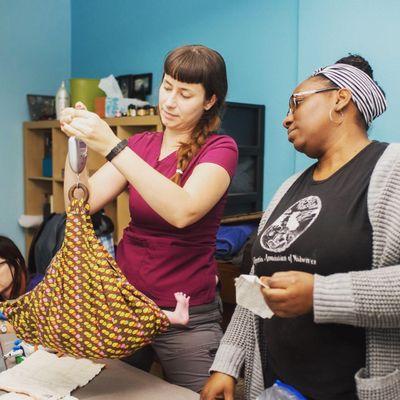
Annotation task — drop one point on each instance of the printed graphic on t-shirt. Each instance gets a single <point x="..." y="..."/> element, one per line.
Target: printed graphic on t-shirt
<point x="291" y="224"/>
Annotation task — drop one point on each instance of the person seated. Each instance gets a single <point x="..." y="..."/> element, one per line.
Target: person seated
<point x="13" y="270"/>
<point x="13" y="275"/>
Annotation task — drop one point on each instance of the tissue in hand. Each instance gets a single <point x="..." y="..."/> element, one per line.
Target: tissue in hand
<point x="248" y="295"/>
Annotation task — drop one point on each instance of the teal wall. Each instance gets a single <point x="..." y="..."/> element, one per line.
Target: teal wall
<point x="257" y="38"/>
<point x="269" y="46"/>
<point x="330" y="29"/>
<point x="35" y="55"/>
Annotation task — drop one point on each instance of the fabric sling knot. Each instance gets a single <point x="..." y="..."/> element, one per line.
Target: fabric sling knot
<point x="85" y="307"/>
<point x="366" y="94"/>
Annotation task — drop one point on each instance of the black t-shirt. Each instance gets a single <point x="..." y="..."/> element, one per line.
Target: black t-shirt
<point x="319" y="227"/>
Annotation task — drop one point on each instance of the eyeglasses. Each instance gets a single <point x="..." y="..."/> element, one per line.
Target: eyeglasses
<point x="296" y="98"/>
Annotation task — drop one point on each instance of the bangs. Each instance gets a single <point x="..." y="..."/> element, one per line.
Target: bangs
<point x="188" y="66"/>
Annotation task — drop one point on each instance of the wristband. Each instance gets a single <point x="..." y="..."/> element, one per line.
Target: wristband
<point x="116" y="149"/>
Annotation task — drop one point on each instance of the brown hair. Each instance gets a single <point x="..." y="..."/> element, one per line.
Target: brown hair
<point x="198" y="64"/>
<point x="15" y="261"/>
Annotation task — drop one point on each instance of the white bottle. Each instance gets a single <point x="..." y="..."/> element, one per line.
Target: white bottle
<point x="62" y="99"/>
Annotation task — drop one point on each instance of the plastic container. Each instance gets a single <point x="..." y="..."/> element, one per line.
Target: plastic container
<point x="85" y="90"/>
<point x="280" y="391"/>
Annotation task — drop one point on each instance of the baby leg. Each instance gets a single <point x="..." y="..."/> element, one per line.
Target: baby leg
<point x="180" y="315"/>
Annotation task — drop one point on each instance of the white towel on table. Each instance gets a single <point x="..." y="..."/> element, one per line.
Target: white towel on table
<point x="248" y="295"/>
<point x="44" y="376"/>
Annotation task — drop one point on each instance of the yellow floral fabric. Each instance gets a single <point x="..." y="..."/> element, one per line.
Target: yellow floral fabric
<point x="85" y="307"/>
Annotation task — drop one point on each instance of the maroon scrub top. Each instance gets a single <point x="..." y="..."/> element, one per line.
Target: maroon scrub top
<point x="158" y="258"/>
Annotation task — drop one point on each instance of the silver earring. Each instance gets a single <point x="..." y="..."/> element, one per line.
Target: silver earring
<point x="336" y="122"/>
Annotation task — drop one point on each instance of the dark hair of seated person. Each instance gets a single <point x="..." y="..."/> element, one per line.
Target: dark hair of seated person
<point x="12" y="257"/>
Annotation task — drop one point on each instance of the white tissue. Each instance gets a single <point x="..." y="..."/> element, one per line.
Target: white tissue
<point x="248" y="295"/>
<point x="18" y="396"/>
<point x="110" y="87"/>
<point x="45" y="376"/>
<point x="14" y="396"/>
<point x="30" y="221"/>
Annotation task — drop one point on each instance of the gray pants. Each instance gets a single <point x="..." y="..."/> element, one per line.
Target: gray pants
<point x="186" y="353"/>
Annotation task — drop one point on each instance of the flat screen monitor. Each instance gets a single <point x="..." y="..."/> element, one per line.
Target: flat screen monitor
<point x="245" y="123"/>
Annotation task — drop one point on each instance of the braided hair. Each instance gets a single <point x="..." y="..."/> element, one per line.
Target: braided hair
<point x="198" y="64"/>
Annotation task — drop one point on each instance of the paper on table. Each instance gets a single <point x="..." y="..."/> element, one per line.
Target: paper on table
<point x="17" y="396"/>
<point x="14" y="396"/>
<point x="248" y="295"/>
<point x="44" y="376"/>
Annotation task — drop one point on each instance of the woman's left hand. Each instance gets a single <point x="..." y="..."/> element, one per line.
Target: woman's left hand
<point x="290" y="293"/>
<point x="88" y="127"/>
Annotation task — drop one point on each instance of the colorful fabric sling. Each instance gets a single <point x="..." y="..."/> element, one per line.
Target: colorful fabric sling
<point x="85" y="307"/>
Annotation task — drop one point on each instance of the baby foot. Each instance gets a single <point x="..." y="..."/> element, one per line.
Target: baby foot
<point x="181" y="314"/>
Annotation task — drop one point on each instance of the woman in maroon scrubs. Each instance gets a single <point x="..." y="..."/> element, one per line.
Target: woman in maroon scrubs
<point x="178" y="181"/>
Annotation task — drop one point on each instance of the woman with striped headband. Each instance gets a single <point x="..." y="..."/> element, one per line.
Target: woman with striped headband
<point x="328" y="249"/>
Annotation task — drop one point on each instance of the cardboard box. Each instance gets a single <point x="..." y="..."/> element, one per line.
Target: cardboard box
<point x="100" y="106"/>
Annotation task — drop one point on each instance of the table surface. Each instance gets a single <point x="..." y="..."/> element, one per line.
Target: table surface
<point x="121" y="381"/>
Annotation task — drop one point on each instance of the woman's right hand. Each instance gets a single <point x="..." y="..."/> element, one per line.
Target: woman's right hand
<point x="219" y="384"/>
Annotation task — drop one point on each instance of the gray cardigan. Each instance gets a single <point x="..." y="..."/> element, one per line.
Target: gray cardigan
<point x="369" y="299"/>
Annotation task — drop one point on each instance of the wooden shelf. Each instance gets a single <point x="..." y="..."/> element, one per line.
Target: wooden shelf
<point x="40" y="178"/>
<point x="37" y="186"/>
<point x="239" y="218"/>
<point x="141" y="121"/>
<point x="37" y="125"/>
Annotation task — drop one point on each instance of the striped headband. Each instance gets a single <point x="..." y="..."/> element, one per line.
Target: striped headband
<point x="366" y="94"/>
